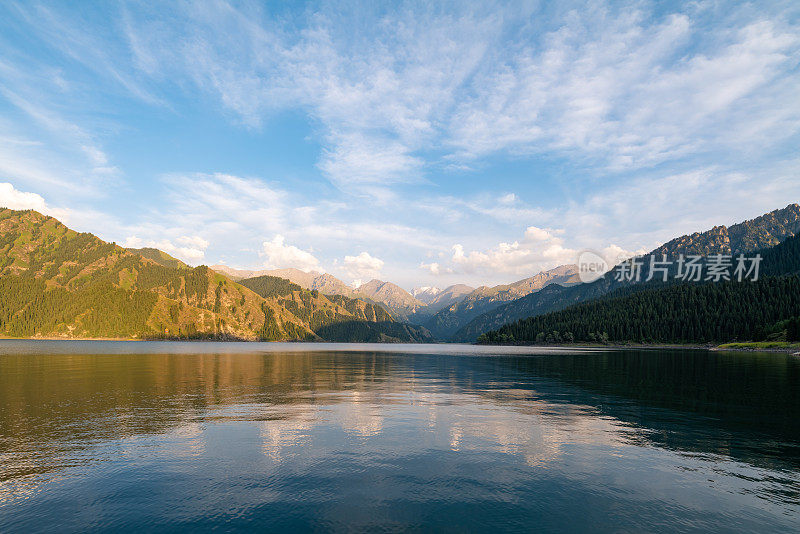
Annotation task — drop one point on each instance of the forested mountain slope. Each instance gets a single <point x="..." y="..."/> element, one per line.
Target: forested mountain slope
<point x="400" y="303"/>
<point x="747" y="237"/>
<point x="685" y="312"/>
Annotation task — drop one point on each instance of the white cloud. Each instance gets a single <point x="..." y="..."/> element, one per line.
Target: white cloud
<point x="435" y="268"/>
<point x="193" y="241"/>
<point x="537" y="234"/>
<point x="644" y="213"/>
<point x="20" y="200"/>
<point x="279" y="255"/>
<point x="133" y="241"/>
<point x="507" y="209"/>
<point x="13" y="198"/>
<point x="37" y="164"/>
<point x="42" y="144"/>
<point x="608" y="85"/>
<point x="379" y="95"/>
<point x="218" y="197"/>
<point x="234" y="213"/>
<point x="363" y="266"/>
<point x="95" y="50"/>
<point x="72" y="158"/>
<point x="190" y="249"/>
<point x="359" y="160"/>
<point x="614" y="254"/>
<point x="539" y="250"/>
<point x="234" y="210"/>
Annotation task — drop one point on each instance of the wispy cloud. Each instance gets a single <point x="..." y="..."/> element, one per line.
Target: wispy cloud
<point x="42" y="140"/>
<point x="435" y="268"/>
<point x="628" y="93"/>
<point x="73" y="35"/>
<point x="614" y="84"/>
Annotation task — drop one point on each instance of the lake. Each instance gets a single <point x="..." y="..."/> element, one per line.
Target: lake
<point x="166" y="437"/>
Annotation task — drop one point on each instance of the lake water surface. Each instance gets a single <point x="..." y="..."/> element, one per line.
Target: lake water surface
<point x="169" y="437"/>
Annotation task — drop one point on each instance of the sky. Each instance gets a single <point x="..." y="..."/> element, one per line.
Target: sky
<point x="422" y="143"/>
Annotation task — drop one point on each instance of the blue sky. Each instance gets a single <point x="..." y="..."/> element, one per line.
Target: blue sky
<point x="422" y="143"/>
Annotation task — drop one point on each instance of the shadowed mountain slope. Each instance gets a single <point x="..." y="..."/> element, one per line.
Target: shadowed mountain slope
<point x="746" y="237"/>
<point x="680" y="312"/>
<point x="449" y="320"/>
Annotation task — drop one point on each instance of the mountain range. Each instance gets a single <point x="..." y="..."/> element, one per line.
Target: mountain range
<point x="322" y="282"/>
<point x="396" y="300"/>
<point x="442" y="311"/>
<point x="61" y="283"/>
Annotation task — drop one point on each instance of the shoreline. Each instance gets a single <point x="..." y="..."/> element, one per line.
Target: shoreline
<point x="710" y="347"/>
<point x="795" y="350"/>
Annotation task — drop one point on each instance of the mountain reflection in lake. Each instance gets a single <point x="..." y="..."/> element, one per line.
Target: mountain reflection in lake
<point x="180" y="436"/>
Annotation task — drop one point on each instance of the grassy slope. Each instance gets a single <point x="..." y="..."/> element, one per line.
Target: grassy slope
<point x="43" y="261"/>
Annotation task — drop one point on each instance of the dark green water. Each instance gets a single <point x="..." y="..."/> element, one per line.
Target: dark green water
<point x="102" y="436"/>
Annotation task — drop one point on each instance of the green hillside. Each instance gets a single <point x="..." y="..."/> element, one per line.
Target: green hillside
<point x="60" y="283"/>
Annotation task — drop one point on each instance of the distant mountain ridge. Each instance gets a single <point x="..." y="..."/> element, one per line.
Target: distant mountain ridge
<point x="426" y="294"/>
<point x="446" y="297"/>
<point x="399" y="302"/>
<point x="430" y="309"/>
<point x="366" y="322"/>
<point x="322" y="282"/>
<point x="395" y="298"/>
<point x="483" y="299"/>
<point x="761" y="232"/>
